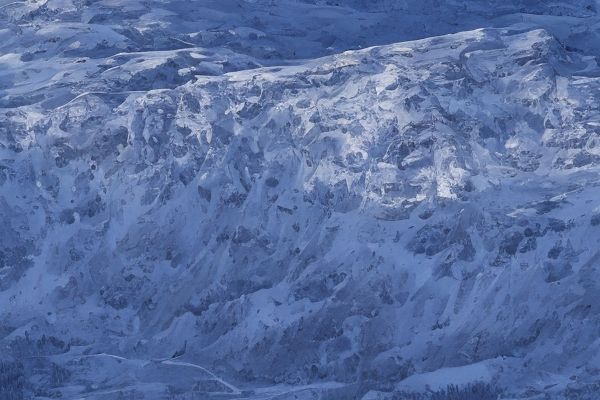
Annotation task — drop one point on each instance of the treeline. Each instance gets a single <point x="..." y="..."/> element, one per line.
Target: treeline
<point x="12" y="380"/>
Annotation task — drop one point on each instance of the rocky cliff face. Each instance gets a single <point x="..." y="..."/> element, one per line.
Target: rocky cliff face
<point x="233" y="199"/>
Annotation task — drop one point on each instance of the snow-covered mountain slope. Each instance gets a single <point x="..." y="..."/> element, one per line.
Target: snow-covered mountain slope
<point x="231" y="200"/>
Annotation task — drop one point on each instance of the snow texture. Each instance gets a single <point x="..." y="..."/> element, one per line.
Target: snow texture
<point x="299" y="199"/>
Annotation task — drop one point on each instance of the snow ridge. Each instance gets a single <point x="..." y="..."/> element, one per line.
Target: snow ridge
<point x="299" y="199"/>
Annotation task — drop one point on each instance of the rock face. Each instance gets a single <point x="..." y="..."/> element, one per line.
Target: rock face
<point x="234" y="199"/>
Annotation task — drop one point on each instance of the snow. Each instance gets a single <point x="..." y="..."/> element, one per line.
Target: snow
<point x="311" y="199"/>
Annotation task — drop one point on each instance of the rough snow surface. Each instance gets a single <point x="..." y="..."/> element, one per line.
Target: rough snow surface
<point x="294" y="199"/>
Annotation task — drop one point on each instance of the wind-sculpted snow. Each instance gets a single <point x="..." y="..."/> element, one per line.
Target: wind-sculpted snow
<point x="218" y="200"/>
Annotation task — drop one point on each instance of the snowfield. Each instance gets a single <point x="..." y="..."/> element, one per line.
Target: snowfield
<point x="371" y="200"/>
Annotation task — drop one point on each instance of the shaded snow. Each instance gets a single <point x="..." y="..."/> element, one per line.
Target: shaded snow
<point x="264" y="199"/>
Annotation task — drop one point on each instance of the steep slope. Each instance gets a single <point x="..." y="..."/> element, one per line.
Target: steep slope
<point x="376" y="222"/>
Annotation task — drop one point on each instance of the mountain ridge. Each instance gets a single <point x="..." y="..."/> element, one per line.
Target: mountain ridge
<point x="366" y="224"/>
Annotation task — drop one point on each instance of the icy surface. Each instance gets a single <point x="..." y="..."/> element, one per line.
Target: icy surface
<point x="299" y="199"/>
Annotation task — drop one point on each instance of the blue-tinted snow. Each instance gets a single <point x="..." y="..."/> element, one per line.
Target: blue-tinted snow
<point x="294" y="199"/>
